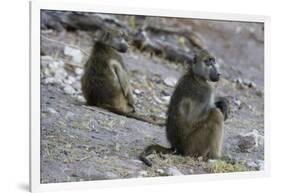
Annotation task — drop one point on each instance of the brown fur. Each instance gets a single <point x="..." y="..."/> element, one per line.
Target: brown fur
<point x="195" y="124"/>
<point x="105" y="82"/>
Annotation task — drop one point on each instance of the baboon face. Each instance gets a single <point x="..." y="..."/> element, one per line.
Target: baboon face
<point x="206" y="67"/>
<point x="116" y="40"/>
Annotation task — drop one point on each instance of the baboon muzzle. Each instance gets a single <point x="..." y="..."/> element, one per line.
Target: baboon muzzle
<point x="123" y="47"/>
<point x="214" y="74"/>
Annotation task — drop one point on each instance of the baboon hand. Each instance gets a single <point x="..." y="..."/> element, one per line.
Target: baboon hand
<point x="223" y="104"/>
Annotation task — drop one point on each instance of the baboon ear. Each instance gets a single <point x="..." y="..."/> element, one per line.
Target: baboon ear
<point x="106" y="35"/>
<point x="195" y="59"/>
<point x="125" y="36"/>
<point x="99" y="35"/>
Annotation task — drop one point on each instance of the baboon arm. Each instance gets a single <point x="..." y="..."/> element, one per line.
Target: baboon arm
<point x="187" y="114"/>
<point x="124" y="84"/>
<point x="187" y="111"/>
<point x="223" y="104"/>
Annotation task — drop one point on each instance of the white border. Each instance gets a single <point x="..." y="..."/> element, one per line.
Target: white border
<point x="35" y="7"/>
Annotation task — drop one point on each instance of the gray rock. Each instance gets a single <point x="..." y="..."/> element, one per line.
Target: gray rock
<point x="50" y="80"/>
<point x="45" y="60"/>
<point x="51" y="110"/>
<point x="173" y="171"/>
<point x="111" y="175"/>
<point x="137" y="161"/>
<point x="77" y="86"/>
<point x="191" y="171"/>
<point x="55" y="65"/>
<point x="142" y="173"/>
<point x="69" y="80"/>
<point x="249" y="141"/>
<point x="75" y="54"/>
<point x="251" y="165"/>
<point x="211" y="161"/>
<point x="170" y="81"/>
<point x="69" y="115"/>
<point x="80" y="99"/>
<point x="250" y="84"/>
<point x="160" y="171"/>
<point x="69" y="90"/>
<point x="260" y="164"/>
<point x="166" y="99"/>
<point x="78" y="71"/>
<point x="237" y="102"/>
<point x="60" y="74"/>
<point x="137" y="91"/>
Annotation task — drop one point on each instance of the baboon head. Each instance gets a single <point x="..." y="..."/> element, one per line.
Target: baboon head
<point x="115" y="39"/>
<point x="205" y="66"/>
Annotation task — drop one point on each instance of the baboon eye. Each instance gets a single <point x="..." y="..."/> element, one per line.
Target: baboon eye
<point x="125" y="36"/>
<point x="106" y="36"/>
<point x="207" y="62"/>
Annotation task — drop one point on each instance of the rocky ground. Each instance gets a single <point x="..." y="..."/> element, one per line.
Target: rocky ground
<point x="79" y="143"/>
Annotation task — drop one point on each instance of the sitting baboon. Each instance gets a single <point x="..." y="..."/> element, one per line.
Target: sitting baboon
<point x="105" y="82"/>
<point x="195" y="119"/>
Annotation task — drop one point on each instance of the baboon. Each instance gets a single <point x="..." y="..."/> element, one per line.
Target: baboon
<point x="105" y="82"/>
<point x="195" y="119"/>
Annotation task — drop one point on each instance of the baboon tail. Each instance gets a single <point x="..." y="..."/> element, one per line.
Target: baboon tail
<point x="137" y="117"/>
<point x="154" y="148"/>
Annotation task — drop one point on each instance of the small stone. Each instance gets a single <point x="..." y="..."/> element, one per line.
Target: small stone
<point x="60" y="74"/>
<point x="238" y="80"/>
<point x="55" y="65"/>
<point x="143" y="173"/>
<point x="117" y="147"/>
<point x="249" y="83"/>
<point x="260" y="164"/>
<point x="173" y="171"/>
<point x="249" y="141"/>
<point x="259" y="93"/>
<point x="137" y="91"/>
<point x="160" y="171"/>
<point x="76" y="85"/>
<point x="69" y="90"/>
<point x="50" y="80"/>
<point x="69" y="80"/>
<point x="137" y="161"/>
<point x="69" y="115"/>
<point x="211" y="161"/>
<point x="111" y="175"/>
<point x="157" y="100"/>
<point x="170" y="81"/>
<point x="251" y="165"/>
<point x="68" y="145"/>
<point x="246" y="143"/>
<point x="78" y="71"/>
<point x="80" y="99"/>
<point x="166" y="99"/>
<point x="75" y="54"/>
<point x="239" y="83"/>
<point x="237" y="102"/>
<point x="200" y="158"/>
<point x="51" y="111"/>
<point x="46" y="59"/>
